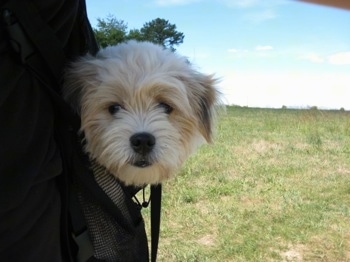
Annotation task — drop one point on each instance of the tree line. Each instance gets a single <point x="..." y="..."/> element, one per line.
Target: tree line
<point x="111" y="31"/>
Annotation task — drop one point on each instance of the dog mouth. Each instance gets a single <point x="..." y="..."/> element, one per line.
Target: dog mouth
<point x="142" y="163"/>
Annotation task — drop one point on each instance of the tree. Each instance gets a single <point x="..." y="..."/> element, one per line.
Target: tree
<point x="135" y="34"/>
<point x="110" y="31"/>
<point x="160" y="31"/>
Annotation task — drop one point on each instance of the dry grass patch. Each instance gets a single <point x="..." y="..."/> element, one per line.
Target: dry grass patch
<point x="293" y="253"/>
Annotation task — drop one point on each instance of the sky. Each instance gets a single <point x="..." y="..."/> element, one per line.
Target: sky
<point x="266" y="53"/>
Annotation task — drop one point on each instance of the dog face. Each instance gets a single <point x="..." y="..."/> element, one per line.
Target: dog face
<point x="143" y="109"/>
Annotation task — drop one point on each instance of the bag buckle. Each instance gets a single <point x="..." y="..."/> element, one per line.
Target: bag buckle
<point x="18" y="39"/>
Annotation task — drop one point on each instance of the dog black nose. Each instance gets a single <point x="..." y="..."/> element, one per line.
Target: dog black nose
<point x="142" y="143"/>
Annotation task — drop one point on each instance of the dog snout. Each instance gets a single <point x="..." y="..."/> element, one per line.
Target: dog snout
<point x="142" y="143"/>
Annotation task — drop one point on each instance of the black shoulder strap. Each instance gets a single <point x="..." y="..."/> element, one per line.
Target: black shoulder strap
<point x="156" y="201"/>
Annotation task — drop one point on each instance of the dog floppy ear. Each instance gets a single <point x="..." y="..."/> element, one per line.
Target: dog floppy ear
<point x="203" y="97"/>
<point x="81" y="75"/>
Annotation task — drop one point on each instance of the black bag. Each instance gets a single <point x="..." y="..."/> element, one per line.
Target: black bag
<point x="94" y="202"/>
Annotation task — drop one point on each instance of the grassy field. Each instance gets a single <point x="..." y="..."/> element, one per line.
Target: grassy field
<point x="275" y="186"/>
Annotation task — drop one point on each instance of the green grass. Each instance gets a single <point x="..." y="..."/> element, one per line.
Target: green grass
<point x="275" y="186"/>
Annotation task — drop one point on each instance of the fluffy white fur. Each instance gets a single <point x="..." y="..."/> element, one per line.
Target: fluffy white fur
<point x="139" y="87"/>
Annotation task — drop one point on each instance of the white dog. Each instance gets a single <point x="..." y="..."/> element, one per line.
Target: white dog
<point x="143" y="109"/>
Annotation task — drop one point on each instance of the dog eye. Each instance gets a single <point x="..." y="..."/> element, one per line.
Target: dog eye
<point x="167" y="109"/>
<point x="113" y="109"/>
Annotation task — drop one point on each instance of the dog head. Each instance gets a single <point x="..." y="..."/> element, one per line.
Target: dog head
<point x="143" y="109"/>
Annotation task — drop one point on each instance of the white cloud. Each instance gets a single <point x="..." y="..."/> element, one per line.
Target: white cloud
<point x="341" y="58"/>
<point x="263" y="48"/>
<point x="274" y="89"/>
<point x="239" y="53"/>
<point x="253" y="3"/>
<point x="174" y="2"/>
<point x="241" y="3"/>
<point x="256" y="11"/>
<point x="233" y="50"/>
<point x="313" y="57"/>
<point x="260" y="16"/>
<point x="258" y="48"/>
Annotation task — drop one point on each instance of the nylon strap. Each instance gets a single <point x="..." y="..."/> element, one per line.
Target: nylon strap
<point x="156" y="202"/>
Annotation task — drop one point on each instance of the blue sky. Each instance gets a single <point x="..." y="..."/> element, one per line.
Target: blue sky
<point x="267" y="53"/>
